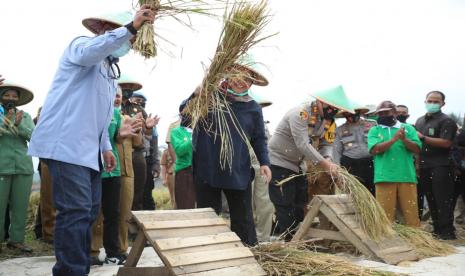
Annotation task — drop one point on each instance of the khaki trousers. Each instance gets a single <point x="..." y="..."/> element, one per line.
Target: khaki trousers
<point x="263" y="209"/>
<point x="389" y="194"/>
<point x="47" y="210"/>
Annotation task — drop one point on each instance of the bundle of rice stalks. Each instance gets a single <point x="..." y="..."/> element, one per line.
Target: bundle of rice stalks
<point x="423" y="242"/>
<point x="369" y="213"/>
<point x="243" y="25"/>
<point x="145" y="40"/>
<point x="294" y="259"/>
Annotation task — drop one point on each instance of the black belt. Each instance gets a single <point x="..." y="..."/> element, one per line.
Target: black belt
<point x="352" y="161"/>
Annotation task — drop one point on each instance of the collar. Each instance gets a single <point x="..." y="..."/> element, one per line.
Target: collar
<point x="433" y="115"/>
<point x="397" y="125"/>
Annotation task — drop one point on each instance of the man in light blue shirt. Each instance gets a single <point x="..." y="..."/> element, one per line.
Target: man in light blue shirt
<point x="71" y="136"/>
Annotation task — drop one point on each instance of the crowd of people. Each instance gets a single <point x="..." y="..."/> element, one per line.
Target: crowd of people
<point x="93" y="175"/>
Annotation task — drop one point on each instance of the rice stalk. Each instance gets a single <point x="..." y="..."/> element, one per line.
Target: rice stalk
<point x="423" y="242"/>
<point x="243" y="25"/>
<point x="296" y="259"/>
<point x="145" y="39"/>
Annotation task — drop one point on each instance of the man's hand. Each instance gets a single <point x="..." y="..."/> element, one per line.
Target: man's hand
<point x="109" y="161"/>
<point x="1" y="80"/>
<point x="420" y="135"/>
<point x="329" y="167"/>
<point x="400" y="134"/>
<point x="151" y="122"/>
<point x="266" y="173"/>
<point x="130" y="127"/>
<point x="146" y="13"/>
<point x="19" y="117"/>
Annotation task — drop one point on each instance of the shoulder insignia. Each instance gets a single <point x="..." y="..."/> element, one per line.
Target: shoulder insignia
<point x="303" y="115"/>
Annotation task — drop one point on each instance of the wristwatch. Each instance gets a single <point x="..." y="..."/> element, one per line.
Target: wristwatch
<point x="130" y="27"/>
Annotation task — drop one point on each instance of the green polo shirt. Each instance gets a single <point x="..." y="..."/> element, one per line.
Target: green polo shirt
<point x="181" y="140"/>
<point x="395" y="164"/>
<point x="113" y="129"/>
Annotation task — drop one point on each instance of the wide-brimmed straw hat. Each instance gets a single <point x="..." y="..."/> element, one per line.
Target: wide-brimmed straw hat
<point x="335" y="97"/>
<point x="127" y="83"/>
<point x="262" y="101"/>
<point x="247" y="62"/>
<point x="356" y="106"/>
<point x="94" y="24"/>
<point x="25" y="95"/>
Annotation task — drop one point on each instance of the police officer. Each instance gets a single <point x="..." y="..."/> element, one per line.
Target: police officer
<point x="305" y="133"/>
<point x="351" y="148"/>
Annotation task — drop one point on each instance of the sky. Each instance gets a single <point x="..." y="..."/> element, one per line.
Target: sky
<point x="377" y="49"/>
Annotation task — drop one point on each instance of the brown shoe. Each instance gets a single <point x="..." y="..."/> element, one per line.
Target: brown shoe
<point x="19" y="246"/>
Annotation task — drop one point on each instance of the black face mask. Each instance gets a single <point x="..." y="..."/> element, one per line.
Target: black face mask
<point x="402" y="118"/>
<point x="387" y="120"/>
<point x="142" y="104"/>
<point x="9" y="104"/>
<point x="353" y="118"/>
<point x="127" y="94"/>
<point x="329" y="113"/>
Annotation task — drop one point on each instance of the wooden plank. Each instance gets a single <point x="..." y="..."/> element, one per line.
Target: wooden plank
<point x="177" y="211"/>
<point x="180" y="216"/>
<point x="325" y="234"/>
<point x="346" y="231"/>
<point x="136" y="250"/>
<point x="174" y="224"/>
<point x="243" y="270"/>
<point x="207" y="256"/>
<point x="181" y="242"/>
<point x="209" y="247"/>
<point x="186" y="232"/>
<point x="213" y="265"/>
<point x="343" y="208"/>
<point x="350" y="220"/>
<point x="331" y="199"/>
<point x="400" y="257"/>
<point x="143" y="271"/>
<point x="303" y="229"/>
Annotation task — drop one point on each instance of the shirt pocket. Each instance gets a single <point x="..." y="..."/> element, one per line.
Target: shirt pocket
<point x="103" y="80"/>
<point x="349" y="142"/>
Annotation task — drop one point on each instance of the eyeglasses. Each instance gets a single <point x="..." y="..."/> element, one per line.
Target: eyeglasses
<point x="115" y="74"/>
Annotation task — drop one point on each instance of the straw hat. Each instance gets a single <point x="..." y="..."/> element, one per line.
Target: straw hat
<point x="25" y="95"/>
<point x="247" y="62"/>
<point x="335" y="97"/>
<point x="357" y="107"/>
<point x="262" y="101"/>
<point x="94" y="24"/>
<point x="126" y="83"/>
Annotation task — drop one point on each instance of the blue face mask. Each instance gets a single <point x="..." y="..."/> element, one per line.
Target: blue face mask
<point x="245" y="93"/>
<point x="433" y="107"/>
<point x="123" y="50"/>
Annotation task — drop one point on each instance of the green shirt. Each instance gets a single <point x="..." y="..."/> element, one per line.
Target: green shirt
<point x="395" y="164"/>
<point x="13" y="147"/>
<point x="115" y="125"/>
<point x="181" y="140"/>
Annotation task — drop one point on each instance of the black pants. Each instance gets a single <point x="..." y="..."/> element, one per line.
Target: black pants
<point x="140" y="175"/>
<point x="110" y="209"/>
<point x="363" y="169"/>
<point x="289" y="200"/>
<point x="148" y="202"/>
<point x="240" y="208"/>
<point x="438" y="187"/>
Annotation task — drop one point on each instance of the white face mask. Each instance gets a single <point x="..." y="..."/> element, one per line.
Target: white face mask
<point x="123" y="50"/>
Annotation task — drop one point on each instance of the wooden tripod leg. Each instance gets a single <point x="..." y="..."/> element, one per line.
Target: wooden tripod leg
<point x="136" y="250"/>
<point x="313" y="211"/>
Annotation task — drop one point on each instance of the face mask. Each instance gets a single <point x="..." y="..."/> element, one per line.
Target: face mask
<point x="387" y="120"/>
<point x="432" y="107"/>
<point x="123" y="50"/>
<point x="353" y="118"/>
<point x="402" y="118"/>
<point x="238" y="94"/>
<point x="142" y="104"/>
<point x="7" y="105"/>
<point x="127" y="94"/>
<point x="329" y="113"/>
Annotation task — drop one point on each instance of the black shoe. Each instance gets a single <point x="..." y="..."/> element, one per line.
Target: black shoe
<point x="447" y="236"/>
<point x="118" y="260"/>
<point x="19" y="246"/>
<point x="94" y="260"/>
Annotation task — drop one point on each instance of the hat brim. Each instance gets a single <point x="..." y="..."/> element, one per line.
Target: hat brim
<point x="257" y="78"/>
<point x="133" y="86"/>
<point x="363" y="111"/>
<point x="25" y="95"/>
<point x="95" y="24"/>
<point x="334" y="105"/>
<point x="265" y="104"/>
<point x="383" y="109"/>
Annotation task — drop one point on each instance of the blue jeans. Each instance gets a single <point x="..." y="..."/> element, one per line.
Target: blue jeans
<point x="76" y="194"/>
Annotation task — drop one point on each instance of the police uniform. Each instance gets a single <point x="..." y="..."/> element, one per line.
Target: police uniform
<point x="351" y="151"/>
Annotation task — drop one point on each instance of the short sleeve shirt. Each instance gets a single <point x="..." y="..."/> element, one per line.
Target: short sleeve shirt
<point x="437" y="125"/>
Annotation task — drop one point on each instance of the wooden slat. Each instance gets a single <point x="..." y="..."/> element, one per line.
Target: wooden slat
<point x="207" y="256"/>
<point x="182" y="242"/>
<point x="313" y="211"/>
<point x="344" y="208"/>
<point x="173" y="224"/>
<point x="326" y="234"/>
<point x="213" y="265"/>
<point x="350" y="221"/>
<point x="136" y="250"/>
<point x="330" y="199"/>
<point x="143" y="271"/>
<point x="177" y="211"/>
<point x="209" y="247"/>
<point x="186" y="232"/>
<point x="243" y="270"/>
<point x="180" y="216"/>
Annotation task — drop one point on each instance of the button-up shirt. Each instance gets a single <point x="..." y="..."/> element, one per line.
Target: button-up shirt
<point x="79" y="106"/>
<point x="351" y="140"/>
